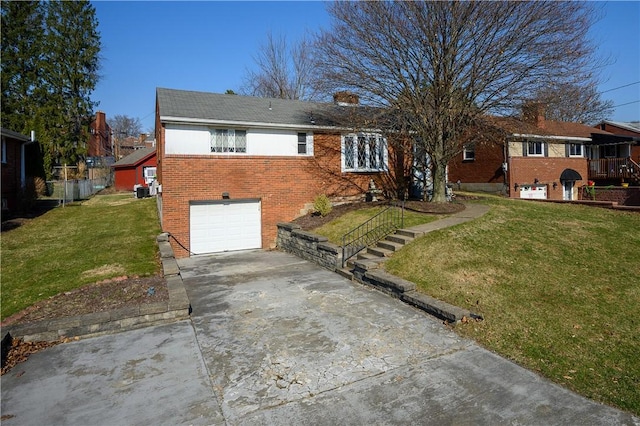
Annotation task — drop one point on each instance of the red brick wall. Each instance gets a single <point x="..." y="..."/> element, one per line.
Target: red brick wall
<point x="486" y="168"/>
<point x="283" y="184"/>
<point x="524" y="170"/>
<point x="11" y="174"/>
<point x="623" y="196"/>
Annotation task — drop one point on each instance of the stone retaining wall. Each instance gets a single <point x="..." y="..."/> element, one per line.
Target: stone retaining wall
<point x="292" y="239"/>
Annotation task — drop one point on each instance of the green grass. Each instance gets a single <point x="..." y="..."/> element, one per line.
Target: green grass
<point x="558" y="286"/>
<point x="335" y="229"/>
<point x="66" y="248"/>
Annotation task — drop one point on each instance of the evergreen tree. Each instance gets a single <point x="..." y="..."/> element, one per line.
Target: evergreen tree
<point x="70" y="70"/>
<point x="22" y="30"/>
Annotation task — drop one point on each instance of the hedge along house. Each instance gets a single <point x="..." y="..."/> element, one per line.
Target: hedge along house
<point x="138" y="168"/>
<point x="528" y="157"/>
<point x="231" y="167"/>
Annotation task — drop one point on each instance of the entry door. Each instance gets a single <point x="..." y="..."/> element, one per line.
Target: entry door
<point x="567" y="190"/>
<point x="225" y="226"/>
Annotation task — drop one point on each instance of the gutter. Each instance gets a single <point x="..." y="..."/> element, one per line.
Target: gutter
<point x="23" y="178"/>
<point x="563" y="138"/>
<point x="252" y="124"/>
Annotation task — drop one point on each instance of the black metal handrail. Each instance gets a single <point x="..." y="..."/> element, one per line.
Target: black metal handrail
<point x="373" y="230"/>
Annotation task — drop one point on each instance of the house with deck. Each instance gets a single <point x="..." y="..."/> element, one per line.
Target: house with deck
<point x="531" y="157"/>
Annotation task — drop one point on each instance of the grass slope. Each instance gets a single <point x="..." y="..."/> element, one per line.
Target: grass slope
<point x="335" y="229"/>
<point x="66" y="248"/>
<point x="557" y="284"/>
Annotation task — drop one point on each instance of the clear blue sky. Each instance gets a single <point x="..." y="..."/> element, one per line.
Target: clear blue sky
<point x="207" y="46"/>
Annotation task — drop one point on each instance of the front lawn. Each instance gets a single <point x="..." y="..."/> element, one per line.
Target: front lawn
<point x="335" y="229"/>
<point x="82" y="243"/>
<point x="558" y="286"/>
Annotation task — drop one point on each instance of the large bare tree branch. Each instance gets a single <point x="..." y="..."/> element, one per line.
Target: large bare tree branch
<point x="441" y="66"/>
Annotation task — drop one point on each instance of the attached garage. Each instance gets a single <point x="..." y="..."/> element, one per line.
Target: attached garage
<point x="538" y="192"/>
<point x="226" y="225"/>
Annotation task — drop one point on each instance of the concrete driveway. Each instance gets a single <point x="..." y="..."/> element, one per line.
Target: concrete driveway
<point x="279" y="341"/>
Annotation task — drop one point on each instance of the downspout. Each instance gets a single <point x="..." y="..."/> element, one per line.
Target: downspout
<point x="23" y="177"/>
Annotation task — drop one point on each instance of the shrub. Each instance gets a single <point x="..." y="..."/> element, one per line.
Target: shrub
<point x="322" y="205"/>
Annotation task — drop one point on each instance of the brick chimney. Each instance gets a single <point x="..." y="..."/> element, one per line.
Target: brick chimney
<point x="345" y="98"/>
<point x="533" y="113"/>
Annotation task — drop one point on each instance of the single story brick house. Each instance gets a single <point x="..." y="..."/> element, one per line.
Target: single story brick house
<point x="530" y="157"/>
<point x="231" y="167"/>
<point x="137" y="168"/>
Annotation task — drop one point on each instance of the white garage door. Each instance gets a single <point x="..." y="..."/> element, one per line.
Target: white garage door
<point x="534" y="191"/>
<point x="225" y="226"/>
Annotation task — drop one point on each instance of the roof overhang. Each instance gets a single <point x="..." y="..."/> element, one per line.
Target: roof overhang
<point x="550" y="137"/>
<point x="601" y="139"/>
<point x="253" y="125"/>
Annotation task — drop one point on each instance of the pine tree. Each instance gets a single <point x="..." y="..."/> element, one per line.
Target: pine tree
<point x="22" y="30"/>
<point x="71" y="63"/>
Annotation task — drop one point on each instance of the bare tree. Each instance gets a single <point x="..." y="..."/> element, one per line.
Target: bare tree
<point x="123" y="126"/>
<point x="577" y="103"/>
<point x="439" y="67"/>
<point x="283" y="71"/>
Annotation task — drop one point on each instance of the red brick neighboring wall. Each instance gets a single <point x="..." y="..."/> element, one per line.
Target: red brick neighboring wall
<point x="486" y="168"/>
<point x="623" y="196"/>
<point x="524" y="170"/>
<point x="283" y="184"/>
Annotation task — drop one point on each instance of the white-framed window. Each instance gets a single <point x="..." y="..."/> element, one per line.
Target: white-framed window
<point x="469" y="152"/>
<point x="149" y="174"/>
<point x="4" y="151"/>
<point x="364" y="152"/>
<point x="302" y="143"/>
<point x="535" y="149"/>
<point x="228" y="140"/>
<point x="576" y="150"/>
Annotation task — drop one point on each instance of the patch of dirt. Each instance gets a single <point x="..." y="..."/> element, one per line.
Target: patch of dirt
<point x="311" y="221"/>
<point x="105" y="295"/>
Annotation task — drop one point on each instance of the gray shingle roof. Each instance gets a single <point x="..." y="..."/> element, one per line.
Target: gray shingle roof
<point x="182" y="105"/>
<point x="135" y="157"/>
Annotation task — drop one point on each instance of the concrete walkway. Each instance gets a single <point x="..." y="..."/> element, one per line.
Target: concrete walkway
<point x="471" y="211"/>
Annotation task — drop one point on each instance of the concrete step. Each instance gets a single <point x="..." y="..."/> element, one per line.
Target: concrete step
<point x="379" y="251"/>
<point x="400" y="239"/>
<point x="363" y="255"/>
<point x="345" y="272"/>
<point x="409" y="233"/>
<point x="389" y="245"/>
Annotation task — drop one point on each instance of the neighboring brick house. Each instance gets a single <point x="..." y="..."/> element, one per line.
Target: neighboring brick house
<point x="231" y="167"/>
<point x="528" y="157"/>
<point x="14" y="159"/>
<point x="137" y="168"/>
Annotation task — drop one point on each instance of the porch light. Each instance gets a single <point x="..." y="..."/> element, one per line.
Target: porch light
<point x="536" y="181"/>
<point x="555" y="185"/>
<point x="225" y="195"/>
<point x="515" y="186"/>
